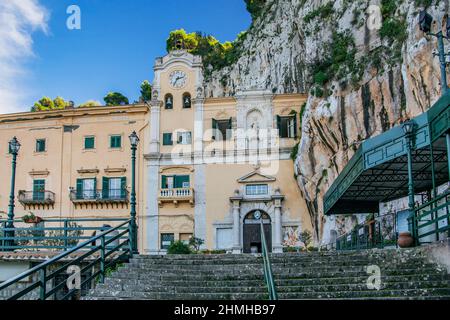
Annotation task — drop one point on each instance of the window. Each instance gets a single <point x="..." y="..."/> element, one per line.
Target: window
<point x="287" y="126"/>
<point x="184" y="138"/>
<point x="86" y="188"/>
<point x="89" y="143"/>
<point x="116" y="142"/>
<point x="185" y="237"/>
<point x="168" y="101"/>
<point x="167" y="139"/>
<point x="222" y="129"/>
<point x="40" y="145"/>
<point x="257" y="189"/>
<point x="38" y="189"/>
<point x="186" y="100"/>
<point x="114" y="188"/>
<point x="175" y="182"/>
<point x="166" y="240"/>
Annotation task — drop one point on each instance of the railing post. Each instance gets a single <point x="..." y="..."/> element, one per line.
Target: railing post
<point x="43" y="283"/>
<point x="66" y="242"/>
<point x="102" y="260"/>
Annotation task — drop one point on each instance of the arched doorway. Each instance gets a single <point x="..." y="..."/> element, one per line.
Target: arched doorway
<point x="252" y="232"/>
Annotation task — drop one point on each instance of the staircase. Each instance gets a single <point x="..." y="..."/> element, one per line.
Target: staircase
<point x="405" y="274"/>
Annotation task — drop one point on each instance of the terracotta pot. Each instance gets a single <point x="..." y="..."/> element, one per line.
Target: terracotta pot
<point x="405" y="240"/>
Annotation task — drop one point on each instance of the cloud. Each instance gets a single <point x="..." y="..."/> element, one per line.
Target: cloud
<point x="18" y="20"/>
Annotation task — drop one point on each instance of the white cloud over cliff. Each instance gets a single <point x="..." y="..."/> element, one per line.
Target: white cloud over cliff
<point x="19" y="19"/>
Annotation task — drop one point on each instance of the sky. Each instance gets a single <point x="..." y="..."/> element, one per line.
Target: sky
<point x="113" y="51"/>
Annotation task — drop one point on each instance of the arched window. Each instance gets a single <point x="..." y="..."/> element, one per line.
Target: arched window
<point x="186" y="100"/>
<point x="168" y="101"/>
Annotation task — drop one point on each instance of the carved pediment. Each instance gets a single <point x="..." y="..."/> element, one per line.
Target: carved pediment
<point x="256" y="177"/>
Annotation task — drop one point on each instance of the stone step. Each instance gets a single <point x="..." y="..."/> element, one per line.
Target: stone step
<point x="367" y="294"/>
<point x="353" y="253"/>
<point x="257" y="266"/>
<point x="282" y="274"/>
<point x="259" y="261"/>
<point x="278" y="282"/>
<point x="280" y="289"/>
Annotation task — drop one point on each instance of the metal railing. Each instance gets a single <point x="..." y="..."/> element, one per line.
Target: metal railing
<point x="365" y="236"/>
<point x="431" y="219"/>
<point x="52" y="234"/>
<point x="51" y="278"/>
<point x="108" y="195"/>
<point x="268" y="275"/>
<point x="36" y="197"/>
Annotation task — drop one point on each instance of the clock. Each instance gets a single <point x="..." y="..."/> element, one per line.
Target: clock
<point x="178" y="79"/>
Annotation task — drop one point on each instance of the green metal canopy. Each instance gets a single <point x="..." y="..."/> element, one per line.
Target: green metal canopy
<point x="378" y="172"/>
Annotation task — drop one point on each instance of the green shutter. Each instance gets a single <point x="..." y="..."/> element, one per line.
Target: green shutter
<point x="89" y="143"/>
<point x="105" y="187"/>
<point x="295" y="125"/>
<point x="167" y="139"/>
<point x="179" y="180"/>
<point x="123" y="187"/>
<point x="79" y="188"/>
<point x="230" y="127"/>
<point x="278" y="122"/>
<point x="214" y="127"/>
<point x="163" y="182"/>
<point x="95" y="188"/>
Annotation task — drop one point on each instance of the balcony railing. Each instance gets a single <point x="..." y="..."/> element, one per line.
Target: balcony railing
<point x="110" y="195"/>
<point x="176" y="195"/>
<point x="36" y="197"/>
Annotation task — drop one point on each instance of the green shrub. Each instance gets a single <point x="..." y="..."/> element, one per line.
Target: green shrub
<point x="115" y="99"/>
<point x="255" y="7"/>
<point x="179" y="247"/>
<point x="324" y="12"/>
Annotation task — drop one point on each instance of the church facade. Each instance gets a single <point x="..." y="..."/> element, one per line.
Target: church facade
<point x="213" y="162"/>
<point x="205" y="166"/>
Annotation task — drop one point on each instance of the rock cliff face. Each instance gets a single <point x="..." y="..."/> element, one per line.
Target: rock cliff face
<point x="365" y="64"/>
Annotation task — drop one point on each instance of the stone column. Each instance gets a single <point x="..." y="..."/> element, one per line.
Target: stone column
<point x="277" y="246"/>
<point x="236" y="201"/>
<point x="198" y="127"/>
<point x="155" y="111"/>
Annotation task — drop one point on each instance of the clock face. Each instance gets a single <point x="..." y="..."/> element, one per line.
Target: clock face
<point x="178" y="79"/>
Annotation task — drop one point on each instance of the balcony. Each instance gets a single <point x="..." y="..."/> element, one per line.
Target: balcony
<point x="176" y="196"/>
<point x="99" y="197"/>
<point x="36" y="198"/>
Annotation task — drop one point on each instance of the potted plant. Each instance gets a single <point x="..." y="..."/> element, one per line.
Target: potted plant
<point x="31" y="218"/>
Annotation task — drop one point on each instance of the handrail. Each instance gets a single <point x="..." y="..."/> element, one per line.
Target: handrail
<point x="45" y="274"/>
<point x="51" y="234"/>
<point x="268" y="275"/>
<point x="431" y="219"/>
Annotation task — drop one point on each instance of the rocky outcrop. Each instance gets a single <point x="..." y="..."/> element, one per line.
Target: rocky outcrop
<point x="384" y="79"/>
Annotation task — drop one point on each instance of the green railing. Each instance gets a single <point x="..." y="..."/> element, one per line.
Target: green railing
<point x="52" y="234"/>
<point x="52" y="279"/>
<point x="365" y="236"/>
<point x="268" y="275"/>
<point x="431" y="219"/>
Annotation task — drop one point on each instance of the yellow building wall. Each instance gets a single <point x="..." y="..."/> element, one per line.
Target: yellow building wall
<point x="65" y="155"/>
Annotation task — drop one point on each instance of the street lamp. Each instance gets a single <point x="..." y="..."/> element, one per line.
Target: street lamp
<point x="14" y="147"/>
<point x="408" y="129"/>
<point x="425" y="22"/>
<point x="134" y="141"/>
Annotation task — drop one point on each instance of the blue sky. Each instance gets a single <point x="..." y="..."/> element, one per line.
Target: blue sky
<point x="115" y="48"/>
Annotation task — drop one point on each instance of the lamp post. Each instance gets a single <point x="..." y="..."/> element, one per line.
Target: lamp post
<point x="425" y="21"/>
<point x="134" y="140"/>
<point x="408" y="128"/>
<point x="14" y="147"/>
